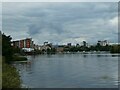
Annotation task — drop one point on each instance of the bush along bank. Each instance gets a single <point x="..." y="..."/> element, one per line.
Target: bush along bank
<point x="10" y="75"/>
<point x="19" y="58"/>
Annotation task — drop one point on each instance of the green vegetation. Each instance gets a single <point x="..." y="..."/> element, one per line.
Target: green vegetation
<point x="10" y="76"/>
<point x="7" y="50"/>
<point x="19" y="58"/>
<point x="112" y="49"/>
<point x="37" y="52"/>
<point x="115" y="49"/>
<point x="0" y="71"/>
<point x="43" y="51"/>
<point x="51" y="51"/>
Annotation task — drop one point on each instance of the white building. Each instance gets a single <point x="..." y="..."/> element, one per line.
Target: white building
<point x="28" y="49"/>
<point x="103" y="43"/>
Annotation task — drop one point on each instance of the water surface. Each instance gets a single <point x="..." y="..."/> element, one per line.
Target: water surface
<point x="70" y="71"/>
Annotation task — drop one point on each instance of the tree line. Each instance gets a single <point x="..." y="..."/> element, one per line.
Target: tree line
<point x="10" y="76"/>
<point x="98" y="47"/>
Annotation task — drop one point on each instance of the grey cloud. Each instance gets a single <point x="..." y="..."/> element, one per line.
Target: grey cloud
<point x="60" y="21"/>
<point x="33" y="29"/>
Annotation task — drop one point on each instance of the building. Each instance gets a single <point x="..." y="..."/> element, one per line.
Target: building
<point x="77" y="45"/>
<point x="25" y="44"/>
<point x="16" y="44"/>
<point x="85" y="44"/>
<point x="60" y="49"/>
<point x="37" y="47"/>
<point x="103" y="43"/>
<point x="45" y="43"/>
<point x="28" y="42"/>
<point x="44" y="47"/>
<point x="69" y="44"/>
<point x="21" y="43"/>
<point x="28" y="49"/>
<point x="50" y="44"/>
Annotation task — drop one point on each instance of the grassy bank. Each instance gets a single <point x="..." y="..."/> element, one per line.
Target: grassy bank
<point x="19" y="58"/>
<point x="10" y="76"/>
<point x="0" y="71"/>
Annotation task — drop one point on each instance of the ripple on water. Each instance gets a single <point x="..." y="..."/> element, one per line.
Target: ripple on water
<point x="70" y="71"/>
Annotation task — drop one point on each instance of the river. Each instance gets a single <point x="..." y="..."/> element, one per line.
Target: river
<point x="70" y="71"/>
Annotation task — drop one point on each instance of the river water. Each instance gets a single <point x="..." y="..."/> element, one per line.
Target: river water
<point x="70" y="71"/>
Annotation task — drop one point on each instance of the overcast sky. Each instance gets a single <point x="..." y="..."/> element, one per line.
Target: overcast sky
<point x="61" y="23"/>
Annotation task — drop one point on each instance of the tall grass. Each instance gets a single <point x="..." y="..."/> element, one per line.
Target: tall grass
<point x="10" y="76"/>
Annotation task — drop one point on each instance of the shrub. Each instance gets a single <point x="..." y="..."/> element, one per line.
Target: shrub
<point x="19" y="58"/>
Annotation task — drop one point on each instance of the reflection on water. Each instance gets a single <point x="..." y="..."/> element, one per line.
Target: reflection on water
<point x="70" y="71"/>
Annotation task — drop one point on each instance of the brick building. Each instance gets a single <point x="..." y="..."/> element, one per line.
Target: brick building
<point x="24" y="43"/>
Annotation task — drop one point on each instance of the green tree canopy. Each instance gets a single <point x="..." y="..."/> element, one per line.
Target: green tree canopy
<point x="7" y="51"/>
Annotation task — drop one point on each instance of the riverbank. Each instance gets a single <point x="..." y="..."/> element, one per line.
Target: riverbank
<point x="10" y="76"/>
<point x="79" y="52"/>
<point x="19" y="58"/>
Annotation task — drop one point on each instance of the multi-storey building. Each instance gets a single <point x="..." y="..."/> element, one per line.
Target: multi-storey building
<point x="28" y="42"/>
<point x="24" y="43"/>
<point x="15" y="44"/>
<point x="21" y="43"/>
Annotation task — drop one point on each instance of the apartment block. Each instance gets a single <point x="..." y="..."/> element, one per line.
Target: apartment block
<point x="24" y="43"/>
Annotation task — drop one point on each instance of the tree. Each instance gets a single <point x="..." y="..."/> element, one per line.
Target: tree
<point x="115" y="49"/>
<point x="7" y="50"/>
<point x="48" y="51"/>
<point x="10" y="76"/>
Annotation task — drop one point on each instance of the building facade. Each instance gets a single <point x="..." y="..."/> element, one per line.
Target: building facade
<point x="24" y="43"/>
<point x="103" y="43"/>
<point x="69" y="44"/>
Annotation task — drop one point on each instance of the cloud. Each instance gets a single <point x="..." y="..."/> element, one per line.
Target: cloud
<point x="61" y="1"/>
<point x="114" y="21"/>
<point x="61" y="22"/>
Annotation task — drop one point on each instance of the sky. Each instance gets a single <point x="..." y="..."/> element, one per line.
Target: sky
<point x="61" y="22"/>
<point x="59" y="0"/>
